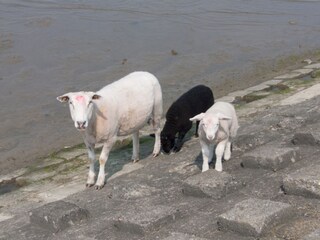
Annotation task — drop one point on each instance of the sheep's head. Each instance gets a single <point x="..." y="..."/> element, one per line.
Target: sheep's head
<point x="81" y="107"/>
<point x="210" y="123"/>
<point x="167" y="141"/>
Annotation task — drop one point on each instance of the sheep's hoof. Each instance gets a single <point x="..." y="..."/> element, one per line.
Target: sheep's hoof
<point x="97" y="187"/>
<point x="135" y="160"/>
<point x="88" y="185"/>
<point x="155" y="155"/>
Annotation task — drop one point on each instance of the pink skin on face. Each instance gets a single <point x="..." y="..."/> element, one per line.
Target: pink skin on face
<point x="80" y="98"/>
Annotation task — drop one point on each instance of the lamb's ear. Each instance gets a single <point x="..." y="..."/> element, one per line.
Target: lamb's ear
<point x="96" y="97"/>
<point x="197" y="117"/>
<point x="63" y="98"/>
<point x="221" y="116"/>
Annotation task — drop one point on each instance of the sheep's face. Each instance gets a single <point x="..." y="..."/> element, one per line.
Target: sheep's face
<point x="167" y="142"/>
<point x="81" y="107"/>
<point x="210" y="125"/>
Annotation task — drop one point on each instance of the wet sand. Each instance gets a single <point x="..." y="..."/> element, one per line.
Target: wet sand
<point x="48" y="48"/>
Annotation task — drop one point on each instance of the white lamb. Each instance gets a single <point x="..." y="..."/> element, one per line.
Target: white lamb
<point x="119" y="109"/>
<point x="218" y="126"/>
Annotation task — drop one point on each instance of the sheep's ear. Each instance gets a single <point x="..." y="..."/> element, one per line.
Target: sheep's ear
<point x="221" y="116"/>
<point x="63" y="98"/>
<point x="197" y="117"/>
<point x="96" y="97"/>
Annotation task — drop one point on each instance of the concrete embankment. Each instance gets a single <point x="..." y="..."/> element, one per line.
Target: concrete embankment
<point x="269" y="189"/>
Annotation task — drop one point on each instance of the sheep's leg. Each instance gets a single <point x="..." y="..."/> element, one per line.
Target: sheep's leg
<point x="135" y="150"/>
<point x="207" y="151"/>
<point x="102" y="160"/>
<point x="157" y="130"/>
<point x="92" y="158"/>
<point x="227" y="151"/>
<point x="156" y="117"/>
<point x="219" y="153"/>
<point x="157" y="144"/>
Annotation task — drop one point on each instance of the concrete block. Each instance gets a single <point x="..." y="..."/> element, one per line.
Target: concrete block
<point x="313" y="66"/>
<point x="305" y="138"/>
<point x="57" y="216"/>
<point x="291" y="75"/>
<point x="73" y="153"/>
<point x="255" y="217"/>
<point x="270" y="156"/>
<point x="302" y="96"/>
<point x="210" y="184"/>
<point x="144" y="218"/>
<point x="183" y="236"/>
<point x="304" y="182"/>
<point x="303" y="71"/>
<point x="313" y="236"/>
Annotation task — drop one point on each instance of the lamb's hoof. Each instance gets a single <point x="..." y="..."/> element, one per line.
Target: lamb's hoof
<point x="98" y="187"/>
<point x="135" y="160"/>
<point x="175" y="149"/>
<point x="88" y="185"/>
<point x="219" y="169"/>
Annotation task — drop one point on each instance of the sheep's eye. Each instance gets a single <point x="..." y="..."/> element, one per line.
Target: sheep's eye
<point x="70" y="103"/>
<point x="89" y="103"/>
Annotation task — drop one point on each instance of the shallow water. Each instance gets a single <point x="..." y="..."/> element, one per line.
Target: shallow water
<point x="50" y="47"/>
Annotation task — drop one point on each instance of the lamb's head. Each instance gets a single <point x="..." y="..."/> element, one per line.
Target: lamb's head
<point x="167" y="141"/>
<point x="81" y="106"/>
<point x="210" y="122"/>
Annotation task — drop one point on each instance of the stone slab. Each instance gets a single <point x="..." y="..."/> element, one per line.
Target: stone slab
<point x="313" y="66"/>
<point x="72" y="153"/>
<point x="288" y="76"/>
<point x="305" y="138"/>
<point x="145" y="218"/>
<point x="303" y="71"/>
<point x="57" y="216"/>
<point x="210" y="184"/>
<point x="304" y="182"/>
<point x="255" y="217"/>
<point x="302" y="95"/>
<point x="313" y="236"/>
<point x="183" y="236"/>
<point x="270" y="156"/>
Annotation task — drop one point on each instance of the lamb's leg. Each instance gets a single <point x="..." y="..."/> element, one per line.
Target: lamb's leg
<point x="135" y="150"/>
<point x="206" y="153"/>
<point x="219" y="153"/>
<point x="92" y="158"/>
<point x="178" y="145"/>
<point x="227" y="151"/>
<point x="102" y="160"/>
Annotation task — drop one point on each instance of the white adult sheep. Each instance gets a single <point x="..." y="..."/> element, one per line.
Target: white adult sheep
<point x="119" y="109"/>
<point x="218" y="126"/>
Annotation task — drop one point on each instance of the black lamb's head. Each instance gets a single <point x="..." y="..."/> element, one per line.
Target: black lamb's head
<point x="167" y="142"/>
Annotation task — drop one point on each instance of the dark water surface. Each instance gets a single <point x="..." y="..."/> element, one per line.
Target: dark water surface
<point x="51" y="47"/>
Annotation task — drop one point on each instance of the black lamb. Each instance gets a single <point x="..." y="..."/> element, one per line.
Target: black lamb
<point x="197" y="100"/>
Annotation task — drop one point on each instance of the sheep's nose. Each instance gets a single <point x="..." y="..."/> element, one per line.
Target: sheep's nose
<point x="210" y="137"/>
<point x="81" y="125"/>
